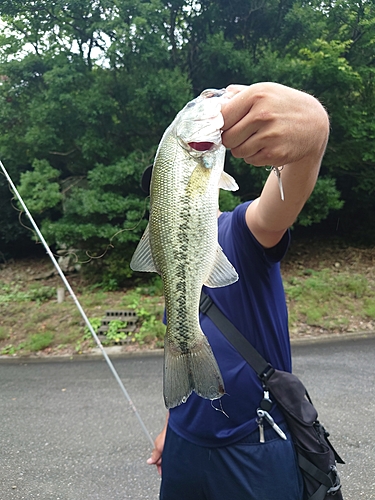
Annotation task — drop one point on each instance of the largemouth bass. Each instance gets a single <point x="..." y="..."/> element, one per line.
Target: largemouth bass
<point x="181" y="242"/>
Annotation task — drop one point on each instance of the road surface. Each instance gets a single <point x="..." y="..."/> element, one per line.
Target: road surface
<point x="68" y="433"/>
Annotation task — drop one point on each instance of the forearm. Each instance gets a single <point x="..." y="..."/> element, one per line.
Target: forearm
<point x="297" y="180"/>
<point x="270" y="124"/>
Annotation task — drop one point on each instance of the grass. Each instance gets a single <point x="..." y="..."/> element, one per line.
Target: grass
<point x="31" y="320"/>
<point x="330" y="294"/>
<point x="334" y="293"/>
<point x="328" y="299"/>
<point x="369" y="308"/>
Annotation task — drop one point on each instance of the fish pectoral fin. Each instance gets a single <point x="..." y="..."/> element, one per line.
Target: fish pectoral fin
<point x="227" y="182"/>
<point x="142" y="259"/>
<point x="194" y="370"/>
<point x="222" y="272"/>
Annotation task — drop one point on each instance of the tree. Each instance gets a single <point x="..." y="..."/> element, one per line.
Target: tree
<point x="81" y="117"/>
<point x="87" y="89"/>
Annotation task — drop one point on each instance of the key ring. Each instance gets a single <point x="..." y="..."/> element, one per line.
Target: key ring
<point x="276" y="171"/>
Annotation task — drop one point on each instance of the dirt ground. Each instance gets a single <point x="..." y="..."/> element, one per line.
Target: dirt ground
<point x="303" y="255"/>
<point x="319" y="254"/>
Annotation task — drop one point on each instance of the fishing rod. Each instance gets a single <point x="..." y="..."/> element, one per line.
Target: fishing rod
<point x="77" y="303"/>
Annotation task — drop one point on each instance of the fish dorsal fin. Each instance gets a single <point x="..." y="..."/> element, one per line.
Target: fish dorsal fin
<point x="142" y="259"/>
<point x="227" y="182"/>
<point x="222" y="272"/>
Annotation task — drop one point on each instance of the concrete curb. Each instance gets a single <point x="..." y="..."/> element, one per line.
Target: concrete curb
<point x="114" y="352"/>
<point x="117" y="352"/>
<point x="337" y="337"/>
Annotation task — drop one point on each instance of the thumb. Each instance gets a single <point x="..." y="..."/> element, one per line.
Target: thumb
<point x="155" y="457"/>
<point x="237" y="105"/>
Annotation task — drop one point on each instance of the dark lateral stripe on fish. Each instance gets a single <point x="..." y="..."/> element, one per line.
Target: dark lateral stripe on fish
<point x="180" y="286"/>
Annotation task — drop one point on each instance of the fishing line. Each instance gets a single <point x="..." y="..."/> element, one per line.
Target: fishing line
<point x="71" y="252"/>
<point x="77" y="303"/>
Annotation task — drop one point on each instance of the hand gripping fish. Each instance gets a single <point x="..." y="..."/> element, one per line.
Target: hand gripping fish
<point x="181" y="242"/>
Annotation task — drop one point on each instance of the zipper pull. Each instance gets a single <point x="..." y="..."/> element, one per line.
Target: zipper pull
<point x="261" y="430"/>
<point x="264" y="414"/>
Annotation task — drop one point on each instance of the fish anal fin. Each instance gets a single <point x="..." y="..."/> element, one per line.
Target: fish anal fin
<point x="222" y="272"/>
<point x="142" y="259"/>
<point x="194" y="370"/>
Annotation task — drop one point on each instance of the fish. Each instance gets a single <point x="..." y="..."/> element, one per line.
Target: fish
<point x="181" y="242"/>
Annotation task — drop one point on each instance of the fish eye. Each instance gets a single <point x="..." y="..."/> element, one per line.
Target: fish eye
<point x="213" y="93"/>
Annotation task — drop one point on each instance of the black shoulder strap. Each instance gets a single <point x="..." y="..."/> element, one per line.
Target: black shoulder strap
<point x="263" y="369"/>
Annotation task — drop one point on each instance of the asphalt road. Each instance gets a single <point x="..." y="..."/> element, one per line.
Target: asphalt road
<point x="68" y="433"/>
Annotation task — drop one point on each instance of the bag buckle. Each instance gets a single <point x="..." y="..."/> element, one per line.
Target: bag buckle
<point x="205" y="304"/>
<point x="267" y="374"/>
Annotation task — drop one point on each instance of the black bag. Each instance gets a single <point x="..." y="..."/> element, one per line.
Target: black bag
<point x="316" y="456"/>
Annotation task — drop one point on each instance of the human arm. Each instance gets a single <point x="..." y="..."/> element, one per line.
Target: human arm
<point x="270" y="124"/>
<point x="156" y="454"/>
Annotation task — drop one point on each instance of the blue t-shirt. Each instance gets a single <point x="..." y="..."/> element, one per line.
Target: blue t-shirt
<point x="256" y="305"/>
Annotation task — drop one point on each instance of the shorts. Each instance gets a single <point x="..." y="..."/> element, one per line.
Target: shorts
<point x="246" y="470"/>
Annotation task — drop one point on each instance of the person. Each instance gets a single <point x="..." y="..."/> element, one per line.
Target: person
<point x="215" y="450"/>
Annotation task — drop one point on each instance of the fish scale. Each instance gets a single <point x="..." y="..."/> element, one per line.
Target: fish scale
<point x="181" y="244"/>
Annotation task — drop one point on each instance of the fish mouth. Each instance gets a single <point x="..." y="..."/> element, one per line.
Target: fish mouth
<point x="201" y="146"/>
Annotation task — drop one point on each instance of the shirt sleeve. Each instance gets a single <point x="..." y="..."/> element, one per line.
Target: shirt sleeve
<point x="271" y="255"/>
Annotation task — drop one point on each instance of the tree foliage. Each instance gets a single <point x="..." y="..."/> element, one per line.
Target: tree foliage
<point x="88" y="87"/>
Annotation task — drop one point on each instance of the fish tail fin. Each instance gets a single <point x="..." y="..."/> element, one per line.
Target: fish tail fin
<point x="194" y="370"/>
